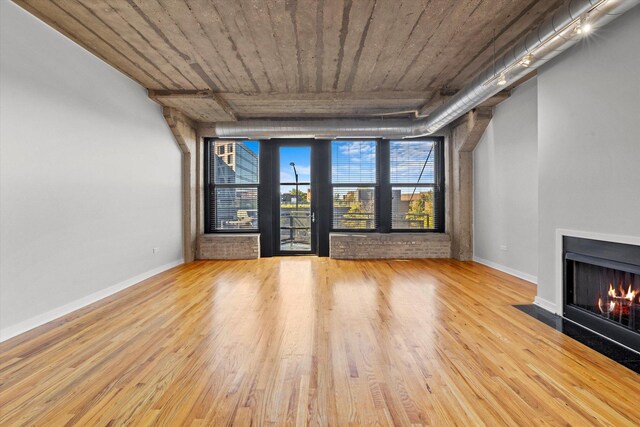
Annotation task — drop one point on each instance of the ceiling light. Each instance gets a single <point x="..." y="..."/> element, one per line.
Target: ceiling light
<point x="502" y="80"/>
<point x="527" y="60"/>
<point x="583" y="26"/>
<point x="578" y="28"/>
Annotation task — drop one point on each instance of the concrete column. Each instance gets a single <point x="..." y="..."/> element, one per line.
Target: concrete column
<point x="184" y="132"/>
<point x="465" y="135"/>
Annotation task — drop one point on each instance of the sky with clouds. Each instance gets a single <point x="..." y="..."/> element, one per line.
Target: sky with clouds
<point x="354" y="161"/>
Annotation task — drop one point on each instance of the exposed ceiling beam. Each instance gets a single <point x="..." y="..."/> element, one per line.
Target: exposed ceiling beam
<point x="529" y="76"/>
<point x="468" y="129"/>
<point x="446" y="93"/>
<point x="164" y="95"/>
<point x="203" y="93"/>
<point x="435" y="101"/>
<point x="495" y="99"/>
<point x="388" y="48"/>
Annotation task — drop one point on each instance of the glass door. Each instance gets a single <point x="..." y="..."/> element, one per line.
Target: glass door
<point x="295" y="213"/>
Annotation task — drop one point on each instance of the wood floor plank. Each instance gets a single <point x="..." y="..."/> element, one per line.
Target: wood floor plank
<point x="305" y="340"/>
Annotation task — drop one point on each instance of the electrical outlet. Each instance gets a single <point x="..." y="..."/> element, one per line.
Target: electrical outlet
<point x="503" y="247"/>
<point x="156" y="250"/>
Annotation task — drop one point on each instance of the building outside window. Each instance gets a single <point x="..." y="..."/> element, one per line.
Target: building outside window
<point x="234" y="185"/>
<point x="373" y="185"/>
<point x="413" y="176"/>
<point x="354" y="180"/>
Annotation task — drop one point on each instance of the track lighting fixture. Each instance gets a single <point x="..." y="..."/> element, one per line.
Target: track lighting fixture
<point x="527" y="60"/>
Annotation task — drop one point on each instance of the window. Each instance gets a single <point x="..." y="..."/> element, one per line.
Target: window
<point x="362" y="186"/>
<point x="354" y="181"/>
<point x="414" y="179"/>
<point x="233" y="186"/>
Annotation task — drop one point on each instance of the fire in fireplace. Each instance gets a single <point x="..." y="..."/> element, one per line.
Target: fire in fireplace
<point x="621" y="307"/>
<point x="602" y="288"/>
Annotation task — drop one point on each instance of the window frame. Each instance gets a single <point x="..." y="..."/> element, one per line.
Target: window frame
<point x="383" y="188"/>
<point x="375" y="186"/>
<point x="437" y="186"/>
<point x="210" y="187"/>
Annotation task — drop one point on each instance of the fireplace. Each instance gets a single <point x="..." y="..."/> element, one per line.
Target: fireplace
<point x="602" y="288"/>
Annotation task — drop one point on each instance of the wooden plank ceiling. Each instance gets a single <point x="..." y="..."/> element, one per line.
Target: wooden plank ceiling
<point x="222" y="60"/>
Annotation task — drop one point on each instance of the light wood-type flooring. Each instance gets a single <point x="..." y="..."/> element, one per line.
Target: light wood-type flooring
<point x="306" y="340"/>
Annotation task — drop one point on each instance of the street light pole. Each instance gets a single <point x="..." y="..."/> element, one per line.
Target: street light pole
<point x="293" y="165"/>
<point x="295" y="172"/>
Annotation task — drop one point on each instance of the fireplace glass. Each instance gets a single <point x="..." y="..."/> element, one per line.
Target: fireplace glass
<point x="611" y="293"/>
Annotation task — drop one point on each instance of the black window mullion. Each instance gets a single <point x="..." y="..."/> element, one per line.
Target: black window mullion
<point x="207" y="186"/>
<point x="265" y="199"/>
<point x="440" y="187"/>
<point x="384" y="198"/>
<point x="322" y="205"/>
<point x="235" y="185"/>
<point x="411" y="184"/>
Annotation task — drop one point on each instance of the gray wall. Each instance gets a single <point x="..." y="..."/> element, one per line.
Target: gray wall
<point x="589" y="141"/>
<point x="90" y="176"/>
<point x="505" y="177"/>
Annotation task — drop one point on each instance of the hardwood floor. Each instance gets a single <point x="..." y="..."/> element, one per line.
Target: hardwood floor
<point x="312" y="340"/>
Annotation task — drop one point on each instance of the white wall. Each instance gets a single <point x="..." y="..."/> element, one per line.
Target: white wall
<point x="505" y="193"/>
<point x="90" y="177"/>
<point x="589" y="141"/>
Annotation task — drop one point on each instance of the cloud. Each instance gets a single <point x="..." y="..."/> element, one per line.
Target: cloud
<point x="286" y="176"/>
<point x="407" y="160"/>
<point x="304" y="174"/>
<point x="304" y="170"/>
<point x="354" y="161"/>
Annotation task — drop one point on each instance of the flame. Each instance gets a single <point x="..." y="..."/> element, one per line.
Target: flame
<point x="620" y="302"/>
<point x="612" y="306"/>
<point x="629" y="294"/>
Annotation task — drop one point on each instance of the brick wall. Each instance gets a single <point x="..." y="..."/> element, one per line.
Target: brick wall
<point x="229" y="246"/>
<point x="394" y="246"/>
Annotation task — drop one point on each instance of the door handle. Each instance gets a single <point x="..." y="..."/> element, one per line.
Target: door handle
<point x="313" y="217"/>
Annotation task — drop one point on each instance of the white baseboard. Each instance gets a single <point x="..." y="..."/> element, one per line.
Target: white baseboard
<point x="545" y="304"/>
<point x="41" y="319"/>
<point x="511" y="271"/>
